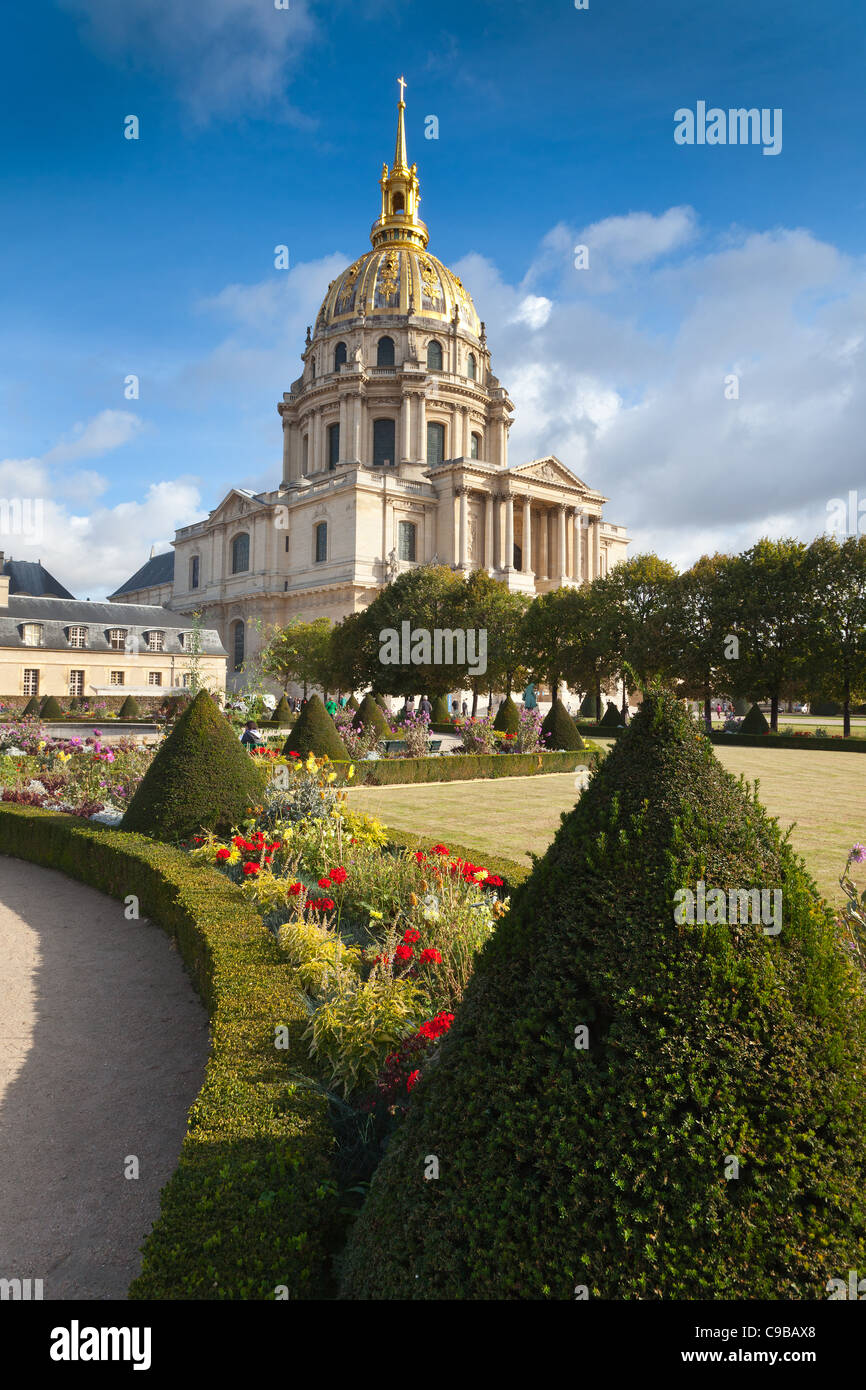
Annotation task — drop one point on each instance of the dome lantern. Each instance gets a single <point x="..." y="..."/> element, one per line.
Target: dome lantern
<point x="399" y="223"/>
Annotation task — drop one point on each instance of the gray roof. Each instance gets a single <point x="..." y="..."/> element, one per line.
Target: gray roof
<point x="58" y="614"/>
<point x="31" y="577"/>
<point x="158" y="570"/>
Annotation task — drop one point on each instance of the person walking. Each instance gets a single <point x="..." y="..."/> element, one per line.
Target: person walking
<point x="425" y="707"/>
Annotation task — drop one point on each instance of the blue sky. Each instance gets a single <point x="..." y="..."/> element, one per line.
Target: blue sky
<point x="262" y="126"/>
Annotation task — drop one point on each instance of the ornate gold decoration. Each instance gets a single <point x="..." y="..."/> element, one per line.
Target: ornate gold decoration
<point x="389" y="275"/>
<point x="429" y="279"/>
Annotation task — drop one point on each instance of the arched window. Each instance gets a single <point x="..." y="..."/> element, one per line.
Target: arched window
<point x="240" y="553"/>
<point x="312" y="366"/>
<point x="339" y="356"/>
<point x="320" y="533"/>
<point x="475" y="446"/>
<point x="406" y="534"/>
<point x="333" y="445"/>
<point x="384" y="444"/>
<point x="385" y="352"/>
<point x="238" y="636"/>
<point x="397" y="203"/>
<point x="470" y="366"/>
<point x="434" y="356"/>
<point x="435" y="443"/>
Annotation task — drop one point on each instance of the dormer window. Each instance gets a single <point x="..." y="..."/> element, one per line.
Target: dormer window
<point x="31" y="634"/>
<point x="117" y="638"/>
<point x="156" y="641"/>
<point x="77" y="636"/>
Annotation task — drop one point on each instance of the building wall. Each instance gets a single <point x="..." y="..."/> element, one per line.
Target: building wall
<point x="54" y="669"/>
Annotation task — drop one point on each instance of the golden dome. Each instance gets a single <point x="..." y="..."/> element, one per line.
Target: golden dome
<point x="398" y="281"/>
<point x="399" y="276"/>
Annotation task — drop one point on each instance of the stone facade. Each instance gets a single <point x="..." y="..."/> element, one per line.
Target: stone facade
<point x="395" y="454"/>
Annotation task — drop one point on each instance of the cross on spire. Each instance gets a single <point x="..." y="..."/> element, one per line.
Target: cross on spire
<point x="402" y="84"/>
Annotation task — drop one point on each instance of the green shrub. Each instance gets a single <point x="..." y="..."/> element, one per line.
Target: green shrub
<point x="441" y="713"/>
<point x="283" y="714"/>
<point x="201" y="777"/>
<point x="129" y="709"/>
<point x="352" y="703"/>
<point x="612" y="717"/>
<point x="822" y="708"/>
<point x="507" y="718"/>
<point x="352" y="1031"/>
<point x="32" y="706"/>
<point x="370" y="715"/>
<point x="741" y="706"/>
<point x="604" y="1161"/>
<point x="314" y="731"/>
<point x="465" y="767"/>
<point x="589" y="707"/>
<point x="559" y="729"/>
<point x="51" y="708"/>
<point x="252" y="1205"/>
<point x="754" y="722"/>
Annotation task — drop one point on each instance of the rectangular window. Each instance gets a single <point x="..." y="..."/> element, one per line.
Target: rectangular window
<point x="155" y="641"/>
<point x="31" y="634"/>
<point x="321" y="542"/>
<point x="384" y="446"/>
<point x="31" y="681"/>
<point x="435" y="443"/>
<point x="76" y="682"/>
<point x="116" y="678"/>
<point x="333" y="445"/>
<point x="154" y="678"/>
<point x="78" y="637"/>
<point x="117" y="638"/>
<point x="406" y="533"/>
<point x="186" y="679"/>
<point x="193" y="572"/>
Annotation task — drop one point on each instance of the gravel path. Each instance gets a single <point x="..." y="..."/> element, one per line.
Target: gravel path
<point x="103" y="1044"/>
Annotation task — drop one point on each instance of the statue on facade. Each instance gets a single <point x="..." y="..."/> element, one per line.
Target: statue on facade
<point x="391" y="566"/>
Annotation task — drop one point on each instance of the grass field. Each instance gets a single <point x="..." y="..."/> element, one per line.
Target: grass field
<point x="821" y="793"/>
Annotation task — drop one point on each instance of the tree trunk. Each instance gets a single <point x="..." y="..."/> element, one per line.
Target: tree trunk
<point x="475" y="702"/>
<point x="708" y="712"/>
<point x="624" y="709"/>
<point x="774" y="713"/>
<point x="598" y="697"/>
<point x="846" y="711"/>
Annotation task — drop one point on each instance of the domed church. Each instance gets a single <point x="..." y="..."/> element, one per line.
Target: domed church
<point x="395" y="454"/>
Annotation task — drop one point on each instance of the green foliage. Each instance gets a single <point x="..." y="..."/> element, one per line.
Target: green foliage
<point x="370" y="714"/>
<point x="589" y="707"/>
<point x="441" y="713"/>
<point x="607" y="1165"/>
<point x="319" y="956"/>
<point x="129" y="709"/>
<point x="510" y="872"/>
<point x="754" y="722"/>
<point x="283" y="714"/>
<point x="32" y="706"/>
<point x="559" y="729"/>
<point x="252" y="1204"/>
<point x="51" y="708"/>
<point x="201" y="777"/>
<point x="507" y="719"/>
<point x="741" y="706"/>
<point x="352" y="1032"/>
<point x="314" y="731"/>
<point x="612" y="717"/>
<point x="300" y="652"/>
<point x="352" y="704"/>
<point x="387" y="772"/>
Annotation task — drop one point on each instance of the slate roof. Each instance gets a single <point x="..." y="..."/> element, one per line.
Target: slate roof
<point x="56" y="616"/>
<point x="158" y="570"/>
<point x="31" y="577"/>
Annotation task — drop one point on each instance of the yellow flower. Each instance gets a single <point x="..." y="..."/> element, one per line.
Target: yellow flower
<point x="375" y="914"/>
<point x="332" y="776"/>
<point x="351" y="771"/>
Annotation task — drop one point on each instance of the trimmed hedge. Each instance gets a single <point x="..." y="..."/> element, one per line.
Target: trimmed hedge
<point x="130" y="709"/>
<point x="51" y="708"/>
<point x="559" y="729"/>
<point x="768" y="740"/>
<point x="466" y="767"/>
<point x="507" y="719"/>
<point x="283" y="713"/>
<point x="314" y="731"/>
<point x="253" y="1204"/>
<point x="370" y="713"/>
<point x="612" y="718"/>
<point x="755" y="722"/>
<point x="441" y="713"/>
<point x="601" y="1162"/>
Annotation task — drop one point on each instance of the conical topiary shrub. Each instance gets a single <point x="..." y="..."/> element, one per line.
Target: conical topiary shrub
<point x="315" y="732"/>
<point x="441" y="714"/>
<point x="370" y="713"/>
<point x="507" y="719"/>
<point x="352" y="704"/>
<point x="201" y="778"/>
<point x="129" y="709"/>
<point x="589" y="707"/>
<point x="612" y="717"/>
<point x="741" y="706"/>
<point x="32" y="706"/>
<point x="283" y="712"/>
<point x="559" y="729"/>
<point x="626" y="1104"/>
<point x="754" y="722"/>
<point x="50" y="708"/>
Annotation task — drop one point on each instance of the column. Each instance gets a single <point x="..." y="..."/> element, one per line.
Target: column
<point x="527" y="536"/>
<point x="421" y="446"/>
<point x="455" y="527"/>
<point x="356" y="428"/>
<point x="314" y="452"/>
<point x="563" y="546"/>
<point x="578" y="574"/>
<point x="489" y="551"/>
<point x="596" y="537"/>
<point x="342" y="452"/>
<point x="499" y="508"/>
<point x="543" y="538"/>
<point x="464" y="528"/>
<point x="287" y="453"/>
<point x="406" y="429"/>
<point x="503" y="443"/>
<point x="509" y="532"/>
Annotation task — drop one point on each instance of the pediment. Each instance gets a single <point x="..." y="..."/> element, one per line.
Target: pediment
<point x="235" y="504"/>
<point x="549" y="470"/>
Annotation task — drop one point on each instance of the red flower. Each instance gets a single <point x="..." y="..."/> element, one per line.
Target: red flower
<point x="404" y="953"/>
<point x="435" y="1027"/>
<point x="251" y="868"/>
<point x="324" y="883"/>
<point x="321" y="904"/>
<point x="420" y="856"/>
<point x="339" y="875"/>
<point x="295" y="888"/>
<point x="493" y="881"/>
<point x="411" y="1079"/>
<point x="223" y="853"/>
<point x="197" y="839"/>
<point x="411" y="935"/>
<point x="431" y="955"/>
<point x="439" y="849"/>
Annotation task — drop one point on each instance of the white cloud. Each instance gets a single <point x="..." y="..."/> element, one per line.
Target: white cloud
<point x="223" y="56"/>
<point x="533" y="310"/>
<point x="106" y="431"/>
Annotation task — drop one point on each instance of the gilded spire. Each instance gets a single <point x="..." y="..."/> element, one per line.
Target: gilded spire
<point x="399" y="221"/>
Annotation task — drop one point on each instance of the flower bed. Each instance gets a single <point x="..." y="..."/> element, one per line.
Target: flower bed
<point x="81" y="777"/>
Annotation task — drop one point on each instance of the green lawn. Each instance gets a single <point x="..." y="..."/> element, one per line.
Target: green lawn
<point x="821" y="792"/>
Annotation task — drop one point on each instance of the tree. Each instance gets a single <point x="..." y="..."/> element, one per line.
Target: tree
<point x="351" y="654"/>
<point x="494" y="609"/>
<point x="301" y="653"/>
<point x="590" y="658"/>
<point x="836" y="638"/>
<point x="425" y="599"/>
<point x="694" y="623"/>
<point x="634" y="596"/>
<point x="772" y="608"/>
<point x="548" y="635"/>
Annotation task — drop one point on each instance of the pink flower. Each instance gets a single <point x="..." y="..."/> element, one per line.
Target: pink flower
<point x="858" y="853"/>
